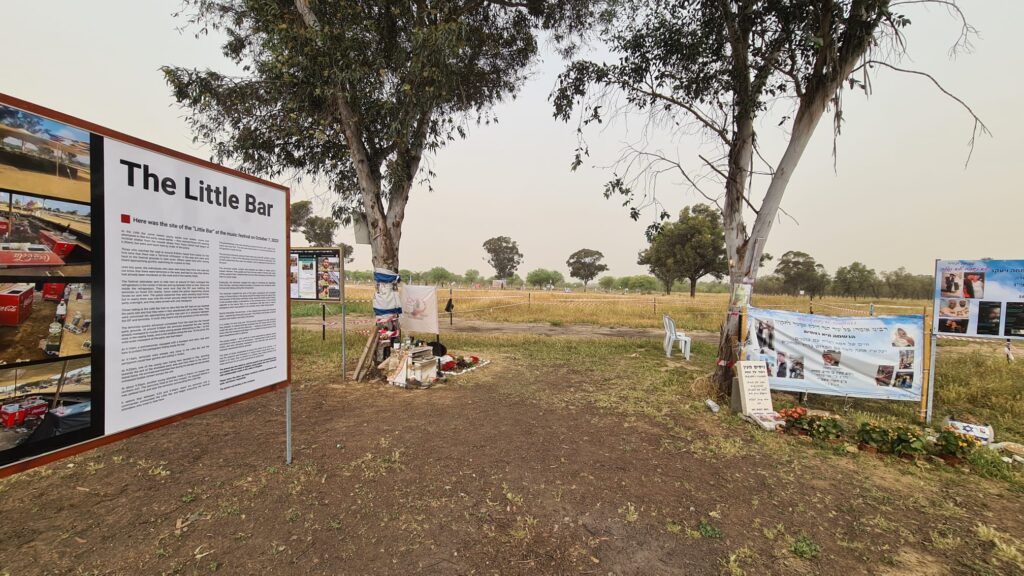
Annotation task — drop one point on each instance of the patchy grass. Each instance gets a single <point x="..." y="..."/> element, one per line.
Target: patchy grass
<point x="804" y="547"/>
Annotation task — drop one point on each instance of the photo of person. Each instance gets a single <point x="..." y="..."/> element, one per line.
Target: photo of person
<point x="904" y="380"/>
<point x="952" y="284"/>
<point x="1014" y="324"/>
<point x="974" y="285"/>
<point x="901" y="339"/>
<point x="906" y="359"/>
<point x="954" y="308"/>
<point x="988" y="318"/>
<point x="950" y="326"/>
<point x="796" y="366"/>
<point x="783" y="367"/>
<point x="766" y="334"/>
<point x="831" y="357"/>
<point x="884" y="375"/>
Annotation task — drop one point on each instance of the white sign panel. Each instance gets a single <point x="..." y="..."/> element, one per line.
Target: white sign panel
<point x="755" y="393"/>
<point x="866" y="357"/>
<point x="419" y="309"/>
<point x="196" y="295"/>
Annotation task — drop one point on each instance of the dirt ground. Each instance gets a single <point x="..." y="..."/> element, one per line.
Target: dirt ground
<point x="465" y="326"/>
<point x="498" y="472"/>
<point x="22" y="342"/>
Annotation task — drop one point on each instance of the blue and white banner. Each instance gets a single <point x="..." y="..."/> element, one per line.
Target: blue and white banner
<point x="864" y="357"/>
<point x="979" y="298"/>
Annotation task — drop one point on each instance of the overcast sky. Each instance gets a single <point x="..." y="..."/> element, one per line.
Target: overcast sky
<point x="899" y="194"/>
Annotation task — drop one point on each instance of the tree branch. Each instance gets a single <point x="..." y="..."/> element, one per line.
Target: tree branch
<point x="979" y="126"/>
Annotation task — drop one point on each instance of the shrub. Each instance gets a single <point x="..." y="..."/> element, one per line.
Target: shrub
<point x="950" y="443"/>
<point x="878" y="437"/>
<point x="796" y="419"/>
<point x="825" y="428"/>
<point x="907" y="442"/>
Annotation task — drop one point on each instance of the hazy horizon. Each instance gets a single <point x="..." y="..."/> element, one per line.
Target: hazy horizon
<point x="898" y="194"/>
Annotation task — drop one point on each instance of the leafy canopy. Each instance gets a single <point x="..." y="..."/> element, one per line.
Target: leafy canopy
<point x="585" y="264"/>
<point x="503" y="255"/>
<point x="690" y="248"/>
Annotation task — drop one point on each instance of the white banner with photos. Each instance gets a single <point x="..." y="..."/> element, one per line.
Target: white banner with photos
<point x="865" y="357"/>
<point x="419" y="309"/>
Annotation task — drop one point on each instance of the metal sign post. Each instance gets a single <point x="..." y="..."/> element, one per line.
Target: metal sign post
<point x="288" y="425"/>
<point x="344" y="348"/>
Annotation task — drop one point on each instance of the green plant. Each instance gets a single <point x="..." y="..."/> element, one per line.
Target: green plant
<point x="804" y="547"/>
<point x="878" y="437"/>
<point x="988" y="464"/>
<point x="907" y="442"/>
<point x="950" y="443"/>
<point x="825" y="428"/>
<point x="708" y="530"/>
<point x="796" y="419"/>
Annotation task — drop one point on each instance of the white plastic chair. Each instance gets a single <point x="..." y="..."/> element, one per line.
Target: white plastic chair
<point x="672" y="335"/>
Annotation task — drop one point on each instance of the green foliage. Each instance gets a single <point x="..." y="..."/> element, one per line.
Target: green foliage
<point x="878" y="437"/>
<point x="798" y="271"/>
<point x="606" y="282"/>
<point x="585" y="264"/>
<point x="950" y="443"/>
<point x="503" y="255"/>
<point x="471" y="276"/>
<point x="319" y="230"/>
<point x="825" y="428"/>
<point x="691" y="248"/>
<point x="299" y="212"/>
<point x="988" y="464"/>
<point x="438" y="275"/>
<point x="708" y="530"/>
<point x="541" y="277"/>
<point x="907" y="442"/>
<point x="855" y="280"/>
<point x="804" y="547"/>
<point x="354" y="93"/>
<point x="642" y="284"/>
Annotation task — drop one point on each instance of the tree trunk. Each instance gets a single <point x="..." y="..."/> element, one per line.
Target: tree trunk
<point x="693" y="287"/>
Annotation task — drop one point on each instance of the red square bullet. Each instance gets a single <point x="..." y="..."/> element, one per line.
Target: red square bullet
<point x="126" y="219"/>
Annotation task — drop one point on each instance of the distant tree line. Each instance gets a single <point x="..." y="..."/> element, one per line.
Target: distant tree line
<point x="798" y="273"/>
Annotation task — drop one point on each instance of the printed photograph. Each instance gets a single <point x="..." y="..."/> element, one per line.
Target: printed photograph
<point x="904" y="380"/>
<point x="883" y="377"/>
<point x="1014" y="324"/>
<point x="329" y="281"/>
<point x="831" y="357"/>
<point x="782" y="366"/>
<point x="43" y="236"/>
<point x="952" y="285"/>
<point x="901" y="338"/>
<point x="906" y="359"/>
<point x="42" y="156"/>
<point x="44" y="320"/>
<point x="951" y="326"/>
<point x="765" y="334"/>
<point x="989" y="314"/>
<point x="796" y="366"/>
<point x="974" y="285"/>
<point x="44" y="400"/>
<point x="954" y="308"/>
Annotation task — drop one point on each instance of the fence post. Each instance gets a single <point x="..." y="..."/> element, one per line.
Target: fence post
<point x="655" y="300"/>
<point x="871" y="309"/>
<point x="529" y="299"/>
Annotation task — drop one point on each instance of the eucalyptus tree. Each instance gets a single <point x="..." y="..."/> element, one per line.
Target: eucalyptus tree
<point x="355" y="93"/>
<point x="717" y="67"/>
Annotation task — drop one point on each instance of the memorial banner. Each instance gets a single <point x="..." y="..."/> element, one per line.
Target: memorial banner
<point x="315" y="274"/>
<point x="419" y="309"/>
<point x="865" y="357"/>
<point x="979" y="298"/>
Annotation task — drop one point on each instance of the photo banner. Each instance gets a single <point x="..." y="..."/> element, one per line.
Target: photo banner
<point x="419" y="309"/>
<point x="979" y="298"/>
<point x="865" y="357"/>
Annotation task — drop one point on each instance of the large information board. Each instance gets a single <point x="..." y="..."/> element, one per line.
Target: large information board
<point x="867" y="357"/>
<point x="138" y="285"/>
<point x="315" y="274"/>
<point x="979" y="298"/>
